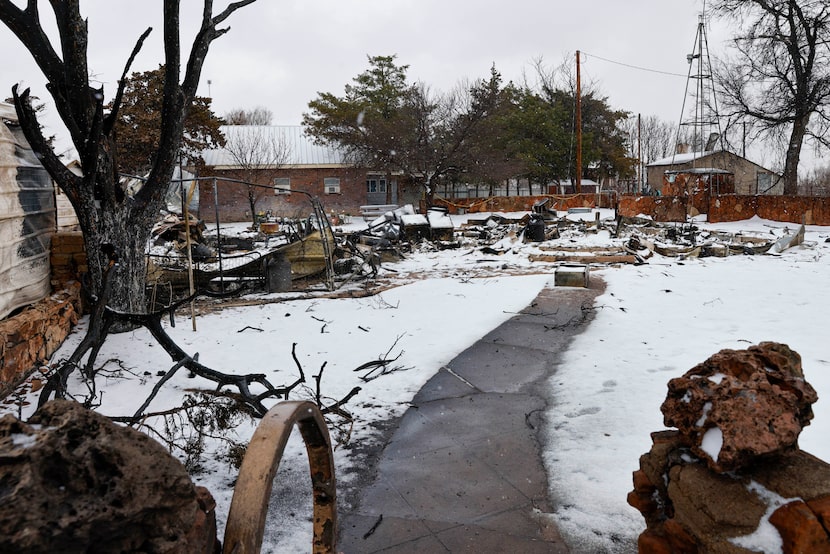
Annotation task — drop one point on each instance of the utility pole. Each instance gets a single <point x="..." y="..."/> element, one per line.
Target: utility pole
<point x="639" y="154"/>
<point x="578" y="128"/>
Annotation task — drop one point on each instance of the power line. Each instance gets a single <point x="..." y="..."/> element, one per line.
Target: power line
<point x="635" y="66"/>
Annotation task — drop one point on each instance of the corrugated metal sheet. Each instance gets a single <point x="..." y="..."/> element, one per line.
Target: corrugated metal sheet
<point x="300" y="148"/>
<point x="27" y="219"/>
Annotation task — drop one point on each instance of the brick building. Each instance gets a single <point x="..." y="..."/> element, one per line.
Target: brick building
<point x="287" y="163"/>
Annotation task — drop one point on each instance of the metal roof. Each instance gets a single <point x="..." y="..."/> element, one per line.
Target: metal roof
<point x="681" y="158"/>
<point x="301" y="150"/>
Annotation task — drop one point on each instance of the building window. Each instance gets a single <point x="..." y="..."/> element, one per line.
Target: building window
<point x="331" y="185"/>
<point x="375" y="184"/>
<point x="282" y="185"/>
<point x="764" y="182"/>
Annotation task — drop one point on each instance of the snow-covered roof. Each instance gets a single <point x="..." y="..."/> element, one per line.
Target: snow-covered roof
<point x="681" y="158"/>
<point x="301" y="150"/>
<point x="702" y="170"/>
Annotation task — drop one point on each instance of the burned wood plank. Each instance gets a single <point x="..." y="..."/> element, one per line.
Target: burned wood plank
<point x="590" y="249"/>
<point x="599" y="259"/>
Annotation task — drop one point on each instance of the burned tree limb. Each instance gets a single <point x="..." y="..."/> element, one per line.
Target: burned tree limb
<point x="337" y="407"/>
<point x="119" y="95"/>
<point x="152" y="322"/>
<point x="384" y="364"/>
<point x="94" y="339"/>
<point x="299" y="365"/>
<point x="172" y="371"/>
<point x="100" y="324"/>
<point x="374" y="527"/>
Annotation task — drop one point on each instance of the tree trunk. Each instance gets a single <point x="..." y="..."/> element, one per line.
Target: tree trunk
<point x="793" y="156"/>
<point x="252" y="198"/>
<point x="119" y="238"/>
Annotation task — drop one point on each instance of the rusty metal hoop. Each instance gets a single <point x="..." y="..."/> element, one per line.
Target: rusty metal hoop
<point x="249" y="506"/>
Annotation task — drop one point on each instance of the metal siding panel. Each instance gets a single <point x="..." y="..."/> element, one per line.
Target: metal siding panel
<point x="27" y="220"/>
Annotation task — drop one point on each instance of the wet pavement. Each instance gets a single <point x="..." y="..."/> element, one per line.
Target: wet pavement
<point x="462" y="471"/>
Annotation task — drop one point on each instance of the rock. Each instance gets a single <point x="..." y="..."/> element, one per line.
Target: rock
<point x="740" y="405"/>
<point x="688" y="508"/>
<point x="800" y="529"/>
<point x="701" y="495"/>
<point x="73" y="481"/>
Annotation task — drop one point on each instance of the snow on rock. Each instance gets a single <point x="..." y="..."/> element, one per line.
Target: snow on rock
<point x="712" y="443"/>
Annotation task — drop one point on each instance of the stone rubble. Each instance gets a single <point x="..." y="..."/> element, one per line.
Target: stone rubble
<point x="698" y="498"/>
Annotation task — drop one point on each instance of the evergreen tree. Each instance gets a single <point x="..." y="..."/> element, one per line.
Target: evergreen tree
<point x="138" y="126"/>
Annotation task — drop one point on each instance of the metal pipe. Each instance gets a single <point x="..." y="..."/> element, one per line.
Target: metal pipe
<point x="218" y="235"/>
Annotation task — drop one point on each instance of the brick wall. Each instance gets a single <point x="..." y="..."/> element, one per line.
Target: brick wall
<point x="233" y="197"/>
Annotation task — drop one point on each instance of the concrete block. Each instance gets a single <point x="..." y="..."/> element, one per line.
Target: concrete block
<point x="571" y="276"/>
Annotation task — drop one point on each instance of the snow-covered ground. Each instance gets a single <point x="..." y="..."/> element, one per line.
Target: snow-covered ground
<point x="653" y="323"/>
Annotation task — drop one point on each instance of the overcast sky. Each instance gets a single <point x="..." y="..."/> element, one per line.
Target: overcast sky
<point x="281" y="53"/>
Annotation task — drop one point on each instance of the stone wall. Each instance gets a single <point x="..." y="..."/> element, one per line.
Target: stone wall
<point x="689" y="508"/>
<point x="524" y="203"/>
<point x="32" y="336"/>
<point x="659" y="208"/>
<point x="811" y="210"/>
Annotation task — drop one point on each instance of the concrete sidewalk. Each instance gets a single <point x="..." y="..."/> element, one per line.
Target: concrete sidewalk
<point x="462" y="472"/>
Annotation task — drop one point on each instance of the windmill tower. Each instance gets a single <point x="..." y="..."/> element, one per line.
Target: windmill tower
<point x="699" y="129"/>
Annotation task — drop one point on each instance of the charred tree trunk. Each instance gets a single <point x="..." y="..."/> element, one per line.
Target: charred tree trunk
<point x="252" y="200"/>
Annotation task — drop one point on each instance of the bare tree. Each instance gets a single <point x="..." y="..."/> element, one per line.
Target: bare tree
<point x="816" y="182"/>
<point x="257" y="116"/>
<point x="115" y="223"/>
<point x="259" y="152"/>
<point x="547" y="81"/>
<point x="656" y="137"/>
<point x="780" y="79"/>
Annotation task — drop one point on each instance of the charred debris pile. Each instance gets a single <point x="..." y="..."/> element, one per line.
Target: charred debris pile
<point x="309" y="253"/>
